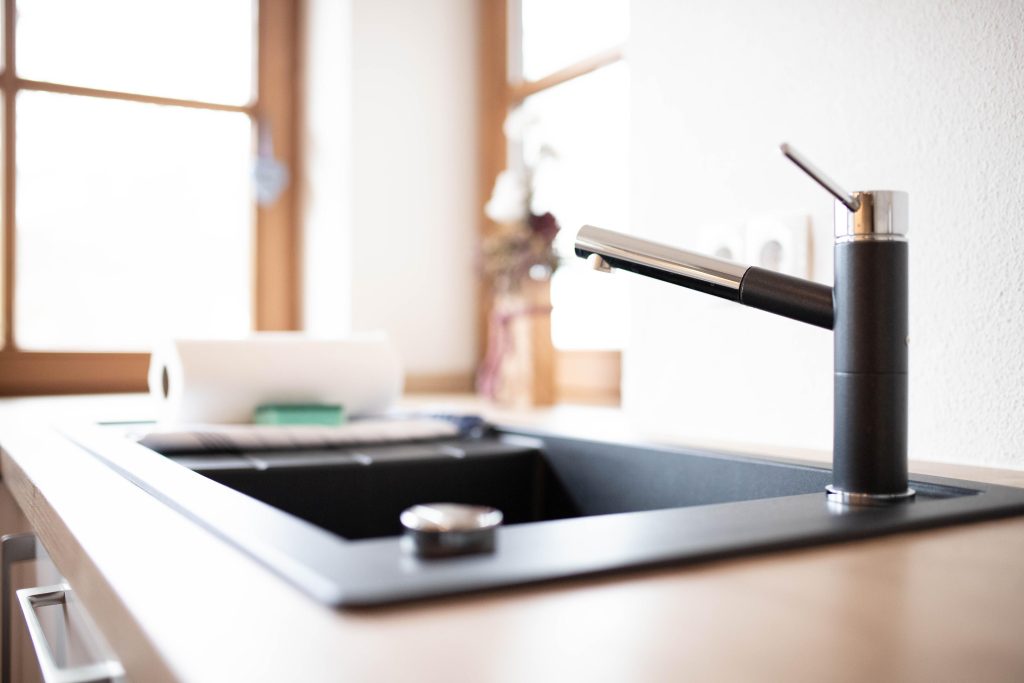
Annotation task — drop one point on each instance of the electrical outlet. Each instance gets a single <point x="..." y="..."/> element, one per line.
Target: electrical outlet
<point x="722" y="241"/>
<point x="780" y="243"/>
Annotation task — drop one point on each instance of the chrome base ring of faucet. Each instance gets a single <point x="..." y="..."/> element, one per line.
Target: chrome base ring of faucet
<point x="841" y="497"/>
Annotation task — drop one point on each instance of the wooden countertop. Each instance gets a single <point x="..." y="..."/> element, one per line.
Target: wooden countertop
<point x="178" y="604"/>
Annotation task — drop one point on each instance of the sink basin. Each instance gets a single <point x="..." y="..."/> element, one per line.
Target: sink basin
<point x="360" y="494"/>
<point x="329" y="520"/>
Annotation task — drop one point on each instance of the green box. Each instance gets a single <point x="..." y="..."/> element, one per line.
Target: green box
<point x="299" y="414"/>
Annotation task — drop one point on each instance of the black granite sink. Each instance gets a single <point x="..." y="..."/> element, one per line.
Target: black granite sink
<point x="328" y="520"/>
<point x="360" y="493"/>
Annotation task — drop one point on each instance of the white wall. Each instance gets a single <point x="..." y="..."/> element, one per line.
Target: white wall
<point x="414" y="158"/>
<point x="915" y="95"/>
<point x="326" y="193"/>
<point x="391" y="243"/>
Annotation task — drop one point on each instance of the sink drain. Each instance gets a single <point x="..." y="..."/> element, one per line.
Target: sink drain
<point x="447" y="529"/>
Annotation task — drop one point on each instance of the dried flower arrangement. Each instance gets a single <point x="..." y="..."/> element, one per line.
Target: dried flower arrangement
<point x="518" y="257"/>
<point x="522" y="244"/>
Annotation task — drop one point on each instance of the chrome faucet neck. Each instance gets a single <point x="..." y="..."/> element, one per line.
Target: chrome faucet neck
<point x="880" y="215"/>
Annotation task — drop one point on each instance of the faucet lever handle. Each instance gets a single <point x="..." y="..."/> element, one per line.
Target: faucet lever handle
<point x="804" y="164"/>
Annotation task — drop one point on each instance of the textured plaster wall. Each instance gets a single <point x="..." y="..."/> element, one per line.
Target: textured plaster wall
<point x="916" y="95"/>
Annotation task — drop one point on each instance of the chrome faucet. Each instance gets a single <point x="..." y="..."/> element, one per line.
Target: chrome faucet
<point x="866" y="308"/>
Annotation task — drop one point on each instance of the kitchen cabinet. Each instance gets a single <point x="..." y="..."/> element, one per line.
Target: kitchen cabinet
<point x="47" y="635"/>
<point x="22" y="665"/>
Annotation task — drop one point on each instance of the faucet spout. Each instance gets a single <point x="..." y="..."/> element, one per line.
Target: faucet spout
<point x="791" y="297"/>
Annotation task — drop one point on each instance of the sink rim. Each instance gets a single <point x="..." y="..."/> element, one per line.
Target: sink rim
<point x="369" y="572"/>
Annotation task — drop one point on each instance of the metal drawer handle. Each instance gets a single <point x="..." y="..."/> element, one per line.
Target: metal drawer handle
<point x="41" y="596"/>
<point x="13" y="548"/>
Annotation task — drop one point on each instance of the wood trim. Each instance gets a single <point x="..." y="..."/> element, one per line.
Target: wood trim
<point x="493" y="108"/>
<point x="276" y="285"/>
<point x="446" y="383"/>
<point x="543" y="357"/>
<point x="43" y="373"/>
<point x="520" y="90"/>
<point x="25" y="373"/>
<point x="7" y="228"/>
<point x="593" y="377"/>
<point x="25" y="84"/>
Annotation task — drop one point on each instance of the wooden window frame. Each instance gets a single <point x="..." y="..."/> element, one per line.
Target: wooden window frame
<point x="277" y="238"/>
<point x="580" y="376"/>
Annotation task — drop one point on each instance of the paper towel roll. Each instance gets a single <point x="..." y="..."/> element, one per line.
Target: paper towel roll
<point x="223" y="381"/>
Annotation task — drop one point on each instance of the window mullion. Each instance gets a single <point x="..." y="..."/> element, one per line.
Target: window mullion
<point x="519" y="90"/>
<point x="65" y="89"/>
<point x="276" y="295"/>
<point x="8" y="85"/>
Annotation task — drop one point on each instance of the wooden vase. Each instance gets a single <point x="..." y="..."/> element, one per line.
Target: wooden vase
<point x="526" y="371"/>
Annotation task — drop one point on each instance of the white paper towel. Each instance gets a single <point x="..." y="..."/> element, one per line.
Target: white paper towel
<point x="223" y="381"/>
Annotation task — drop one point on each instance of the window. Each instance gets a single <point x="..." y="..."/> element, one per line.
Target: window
<point x="132" y="136"/>
<point x="567" y="75"/>
<point x="585" y="120"/>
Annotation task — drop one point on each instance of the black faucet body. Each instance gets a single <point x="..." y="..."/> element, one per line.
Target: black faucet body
<point x="867" y="309"/>
<point x="871" y="363"/>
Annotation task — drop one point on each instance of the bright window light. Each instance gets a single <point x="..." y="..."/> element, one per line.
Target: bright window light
<point x="586" y="122"/>
<point x="133" y="223"/>
<point x="188" y="49"/>
<point x="557" y="33"/>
